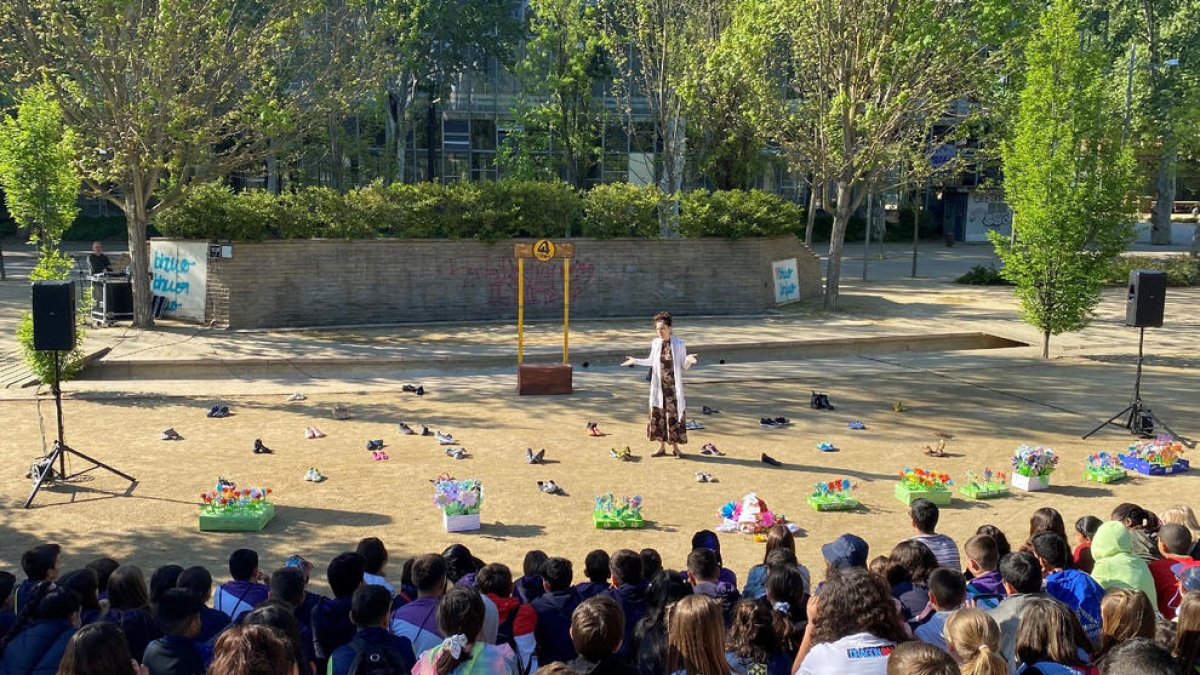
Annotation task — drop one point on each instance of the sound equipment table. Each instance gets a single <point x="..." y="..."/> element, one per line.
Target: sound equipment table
<point x="112" y="298"/>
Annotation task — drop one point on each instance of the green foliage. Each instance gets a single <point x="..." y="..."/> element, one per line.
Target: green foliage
<point x="621" y="210"/>
<point x="1068" y="177"/>
<point x="36" y="166"/>
<point x="983" y="275"/>
<point x="1181" y="270"/>
<point x="737" y="213"/>
<point x="211" y="211"/>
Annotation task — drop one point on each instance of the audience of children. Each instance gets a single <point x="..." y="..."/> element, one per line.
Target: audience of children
<point x="1035" y="611"/>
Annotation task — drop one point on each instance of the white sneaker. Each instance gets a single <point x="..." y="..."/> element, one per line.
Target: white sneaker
<point x="297" y="397"/>
<point x="309" y="476"/>
<point x="444" y="439"/>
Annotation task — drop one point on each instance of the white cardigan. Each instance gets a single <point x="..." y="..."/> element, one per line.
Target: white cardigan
<point x="678" y="359"/>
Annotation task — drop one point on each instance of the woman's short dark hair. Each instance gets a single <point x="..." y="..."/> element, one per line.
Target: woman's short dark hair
<point x="664" y="317"/>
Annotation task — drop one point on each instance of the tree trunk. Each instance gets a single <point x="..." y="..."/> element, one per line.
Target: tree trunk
<point x="1045" y="344"/>
<point x="430" y="152"/>
<point x="335" y="153"/>
<point x="841" y="218"/>
<point x="1160" y="220"/>
<point x="136" y="220"/>
<point x="812" y="211"/>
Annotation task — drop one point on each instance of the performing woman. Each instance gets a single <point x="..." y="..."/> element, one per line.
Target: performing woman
<point x="668" y="359"/>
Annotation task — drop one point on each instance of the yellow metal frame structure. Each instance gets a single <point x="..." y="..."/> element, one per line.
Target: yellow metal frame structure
<point x="543" y="250"/>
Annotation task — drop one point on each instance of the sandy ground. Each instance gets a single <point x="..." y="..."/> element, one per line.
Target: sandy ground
<point x="989" y="402"/>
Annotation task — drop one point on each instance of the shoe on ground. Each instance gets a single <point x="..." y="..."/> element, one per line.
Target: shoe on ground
<point x="425" y="431"/>
<point x="825" y="404"/>
<point x="212" y="412"/>
<point x="170" y="435"/>
<point x="309" y="433"/>
<point x="420" y="391"/>
<point x="814" y="401"/>
<point x="407" y="430"/>
<point x="456" y="453"/>
<point x="297" y="397"/>
<point x="444" y="439"/>
<point x="314" y="475"/>
<point x="318" y="433"/>
<point x="223" y="411"/>
<point x="693" y="425"/>
<point x="309" y="474"/>
<point x="341" y="412"/>
<point x="898" y="406"/>
<point x="767" y="423"/>
<point x="856" y="425"/>
<point x="711" y="450"/>
<point x="767" y="459"/>
<point x="539" y="456"/>
<point x="595" y="431"/>
<point x="409" y="388"/>
<point x="709" y="411"/>
<point x="703" y="477"/>
<point x="260" y="449"/>
<point x="825" y="446"/>
<point x="782" y="421"/>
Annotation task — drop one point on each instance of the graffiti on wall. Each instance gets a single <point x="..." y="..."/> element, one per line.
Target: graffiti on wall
<point x="543" y="281"/>
<point x="787" y="281"/>
<point x="179" y="274"/>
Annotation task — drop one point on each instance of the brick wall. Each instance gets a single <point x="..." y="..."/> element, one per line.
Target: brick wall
<point x="305" y="283"/>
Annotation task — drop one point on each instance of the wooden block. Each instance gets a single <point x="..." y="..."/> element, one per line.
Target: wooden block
<point x="544" y="379"/>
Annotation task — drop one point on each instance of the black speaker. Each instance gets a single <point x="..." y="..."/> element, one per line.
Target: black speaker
<point x="53" y="316"/>
<point x="1147" y="298"/>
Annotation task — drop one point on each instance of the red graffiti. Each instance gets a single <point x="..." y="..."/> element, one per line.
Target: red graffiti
<point x="543" y="281"/>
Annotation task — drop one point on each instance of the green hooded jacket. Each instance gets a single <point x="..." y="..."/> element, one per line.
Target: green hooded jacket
<point x="1116" y="565"/>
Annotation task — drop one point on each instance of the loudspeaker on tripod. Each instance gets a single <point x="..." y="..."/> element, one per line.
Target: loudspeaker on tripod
<point x="1147" y="298"/>
<point x="53" y="316"/>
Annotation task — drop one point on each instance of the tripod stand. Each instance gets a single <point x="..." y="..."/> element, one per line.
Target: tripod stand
<point x="1139" y="419"/>
<point x="46" y="471"/>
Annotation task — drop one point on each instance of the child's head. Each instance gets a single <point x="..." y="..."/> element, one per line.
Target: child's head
<point x="345" y="574"/>
<point x="1135" y="517"/>
<point x="197" y="581"/>
<point x="1174" y="539"/>
<point x="97" y="648"/>
<point x="127" y="589"/>
<point x="920" y="658"/>
<point x="495" y="579"/>
<point x="300" y="563"/>
<point x="287" y="585"/>
<point x="974" y="638"/>
<point x="702" y="566"/>
<point x="708" y="539"/>
<point x="374" y="554"/>
<point x="164" y="579"/>
<point x="982" y="554"/>
<point x="1047" y="632"/>
<point x="370" y="605"/>
<point x="1047" y="519"/>
<point x="651" y="562"/>
<point x="1052" y="551"/>
<point x="1021" y="572"/>
<point x="597" y="628"/>
<point x="1086" y="527"/>
<point x="785" y="583"/>
<point x="460" y="612"/>
<point x="916" y="558"/>
<point x="779" y="537"/>
<point x="42" y="562"/>
<point x="252" y="650"/>
<point x="178" y="613"/>
<point x="7" y="581"/>
<point x="696" y="637"/>
<point x="460" y="562"/>
<point x="1002" y="546"/>
<point x="751" y="635"/>
<point x="1141" y="656"/>
<point x="1125" y="614"/>
<point x="626" y="567"/>
<point x="663" y="591"/>
<point x="243" y="564"/>
<point x="1180" y="514"/>
<point x="83" y="584"/>
<point x="595" y="567"/>
<point x="924" y="515"/>
<point x="947" y="589"/>
<point x="1187" y="630"/>
<point x="557" y="574"/>
<point x="532" y="565"/>
<point x="429" y="574"/>
<point x="103" y="567"/>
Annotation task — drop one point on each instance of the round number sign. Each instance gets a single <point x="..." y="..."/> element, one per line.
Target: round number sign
<point x="543" y="250"/>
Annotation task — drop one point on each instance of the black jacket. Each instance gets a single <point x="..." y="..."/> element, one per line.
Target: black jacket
<point x="632" y="599"/>
<point x="553" y="632"/>
<point x="173" y="655"/>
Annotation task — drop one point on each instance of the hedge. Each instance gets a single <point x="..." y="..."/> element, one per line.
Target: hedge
<point x="488" y="211"/>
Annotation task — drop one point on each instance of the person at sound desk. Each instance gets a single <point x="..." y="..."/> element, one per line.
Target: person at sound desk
<point x="98" y="263"/>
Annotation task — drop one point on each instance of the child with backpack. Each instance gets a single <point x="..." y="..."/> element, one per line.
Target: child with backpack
<point x="374" y="650"/>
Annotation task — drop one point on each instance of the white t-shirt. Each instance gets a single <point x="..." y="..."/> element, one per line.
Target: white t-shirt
<point x="857" y="654"/>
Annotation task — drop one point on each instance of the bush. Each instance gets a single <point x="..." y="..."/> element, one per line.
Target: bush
<point x="621" y="210"/>
<point x="538" y="208"/>
<point x="212" y="211"/>
<point x="983" y="276"/>
<point x="1181" y="270"/>
<point x="734" y="214"/>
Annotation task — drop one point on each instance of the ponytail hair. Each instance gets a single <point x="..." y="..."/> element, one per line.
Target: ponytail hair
<point x="786" y="595"/>
<point x="47" y="601"/>
<point x="459" y="618"/>
<point x="974" y="636"/>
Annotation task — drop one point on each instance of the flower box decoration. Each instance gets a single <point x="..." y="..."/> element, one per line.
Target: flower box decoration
<point x="459" y="502"/>
<point x="228" y="509"/>
<point x="834" y="496"/>
<point x="1158" y="457"/>
<point x="1104" y="468"/>
<point x="988" y="485"/>
<point x="924" y="484"/>
<point x="612" y="513"/>
<point x="1032" y="466"/>
<point x="749" y="516"/>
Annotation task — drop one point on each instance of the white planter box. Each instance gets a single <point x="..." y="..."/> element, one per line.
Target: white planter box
<point x="1030" y="483"/>
<point x="461" y="523"/>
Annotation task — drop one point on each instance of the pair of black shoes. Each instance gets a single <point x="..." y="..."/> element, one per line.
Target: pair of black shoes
<point x="419" y="390"/>
<point x="260" y="449"/>
<point x="819" y="402"/>
<point x="376" y="444"/>
<point x="774" y="423"/>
